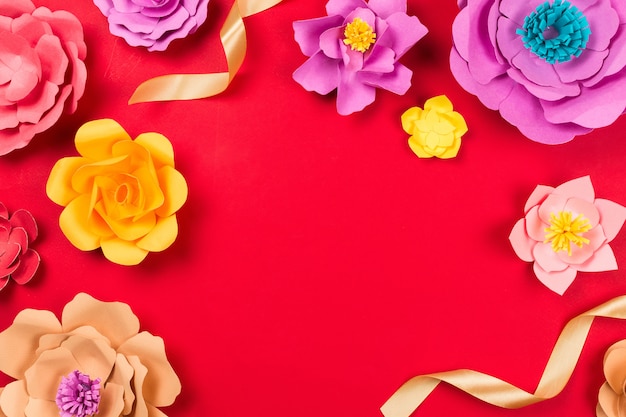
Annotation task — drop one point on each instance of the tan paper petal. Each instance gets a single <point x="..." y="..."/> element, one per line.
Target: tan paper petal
<point x="161" y="385"/>
<point x="50" y="341"/>
<point x="155" y="412"/>
<point x="114" y="320"/>
<point x="122" y="375"/>
<point x="615" y="368"/>
<point x="111" y="401"/>
<point x="13" y="399"/>
<point x="608" y="401"/>
<point x="1" y="413"/>
<point x="141" y="409"/>
<point x="44" y="377"/>
<point x="95" y="357"/>
<point x="19" y="341"/>
<point x="41" y="408"/>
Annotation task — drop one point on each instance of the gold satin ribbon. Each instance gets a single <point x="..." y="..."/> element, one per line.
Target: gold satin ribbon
<point x="195" y="86"/>
<point x="497" y="392"/>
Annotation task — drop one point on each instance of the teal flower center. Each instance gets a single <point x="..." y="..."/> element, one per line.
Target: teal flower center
<point x="555" y="32"/>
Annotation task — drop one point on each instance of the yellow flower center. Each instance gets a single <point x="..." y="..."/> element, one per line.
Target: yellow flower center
<point x="359" y="35"/>
<point x="564" y="230"/>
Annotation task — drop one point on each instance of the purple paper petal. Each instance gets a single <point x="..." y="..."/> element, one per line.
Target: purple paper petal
<point x="319" y="73"/>
<point x="398" y="81"/>
<point x="330" y="42"/>
<point x="385" y="8"/>
<point x="307" y="32"/>
<point x="352" y="96"/>
<point x="343" y="7"/>
<point x="364" y="14"/>
<point x="483" y="65"/>
<point x="380" y="60"/>
<point x="404" y="31"/>
<point x="615" y="61"/>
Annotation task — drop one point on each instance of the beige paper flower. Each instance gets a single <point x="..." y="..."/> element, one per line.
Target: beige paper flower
<point x="100" y="340"/>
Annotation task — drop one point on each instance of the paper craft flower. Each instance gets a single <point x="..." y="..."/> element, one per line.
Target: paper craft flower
<point x="93" y="360"/>
<point x="355" y="49"/>
<point x="612" y="395"/>
<point x="153" y="23"/>
<point x="566" y="230"/>
<point x="17" y="260"/>
<point x="436" y="130"/>
<point x="120" y="194"/>
<point x="550" y="68"/>
<point x="42" y="72"/>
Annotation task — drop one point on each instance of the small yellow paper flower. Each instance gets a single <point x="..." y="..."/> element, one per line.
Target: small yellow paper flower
<point x="120" y="194"/>
<point x="436" y="130"/>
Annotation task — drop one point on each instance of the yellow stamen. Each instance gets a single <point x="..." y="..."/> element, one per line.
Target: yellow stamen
<point x="359" y="35"/>
<point x="563" y="231"/>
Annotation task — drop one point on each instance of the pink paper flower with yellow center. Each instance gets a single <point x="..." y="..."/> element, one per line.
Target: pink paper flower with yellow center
<point x="566" y="230"/>
<point x="94" y="361"/>
<point x="435" y="130"/>
<point x="121" y="194"/>
<point x="355" y="50"/>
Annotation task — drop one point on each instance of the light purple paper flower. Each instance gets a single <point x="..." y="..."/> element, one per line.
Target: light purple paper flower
<point x="153" y="23"/>
<point x="355" y="49"/>
<point x="503" y="51"/>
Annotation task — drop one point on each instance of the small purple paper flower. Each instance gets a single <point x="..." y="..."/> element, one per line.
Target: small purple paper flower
<point x="78" y="395"/>
<point x="355" y="49"/>
<point x="153" y="23"/>
<point x="17" y="260"/>
<point x="554" y="69"/>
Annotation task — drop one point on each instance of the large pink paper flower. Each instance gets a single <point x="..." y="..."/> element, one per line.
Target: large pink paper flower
<point x="17" y="260"/>
<point x="552" y="69"/>
<point x="153" y="23"/>
<point x="566" y="230"/>
<point x="355" y="49"/>
<point x="41" y="70"/>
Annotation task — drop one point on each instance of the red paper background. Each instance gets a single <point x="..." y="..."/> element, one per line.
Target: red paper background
<point x="320" y="263"/>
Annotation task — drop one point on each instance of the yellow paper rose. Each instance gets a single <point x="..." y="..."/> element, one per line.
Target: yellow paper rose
<point x="93" y="361"/>
<point x="120" y="194"/>
<point x="436" y="130"/>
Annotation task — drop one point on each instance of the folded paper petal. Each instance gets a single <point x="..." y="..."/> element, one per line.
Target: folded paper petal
<point x="119" y="193"/>
<point x="18" y="261"/>
<point x="564" y="231"/>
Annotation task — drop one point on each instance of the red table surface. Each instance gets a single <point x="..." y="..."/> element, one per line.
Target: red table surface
<point x="320" y="263"/>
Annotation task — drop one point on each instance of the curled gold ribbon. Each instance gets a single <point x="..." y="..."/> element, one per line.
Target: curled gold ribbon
<point x="497" y="392"/>
<point x="195" y="86"/>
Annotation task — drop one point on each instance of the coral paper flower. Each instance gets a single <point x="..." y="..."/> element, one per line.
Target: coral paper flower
<point x="17" y="260"/>
<point x="550" y="68"/>
<point x="355" y="49"/>
<point x="566" y="230"/>
<point x="120" y="194"/>
<point x="153" y="23"/>
<point x="435" y="130"/>
<point x="42" y="72"/>
<point x="94" y="359"/>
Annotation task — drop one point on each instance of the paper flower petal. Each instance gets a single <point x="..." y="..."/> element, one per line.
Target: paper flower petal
<point x="18" y="260"/>
<point x="118" y="191"/>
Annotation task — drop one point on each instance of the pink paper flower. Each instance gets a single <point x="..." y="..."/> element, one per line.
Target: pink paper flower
<point x="552" y="68"/>
<point x="355" y="49"/>
<point x="42" y="71"/>
<point x="153" y="23"/>
<point x="566" y="230"/>
<point x="17" y="260"/>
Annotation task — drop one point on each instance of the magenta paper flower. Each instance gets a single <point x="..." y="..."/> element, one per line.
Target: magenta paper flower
<point x="153" y="23"/>
<point x="42" y="72"/>
<point x="17" y="260"/>
<point x="566" y="230"/>
<point x="355" y="49"/>
<point x="553" y="69"/>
